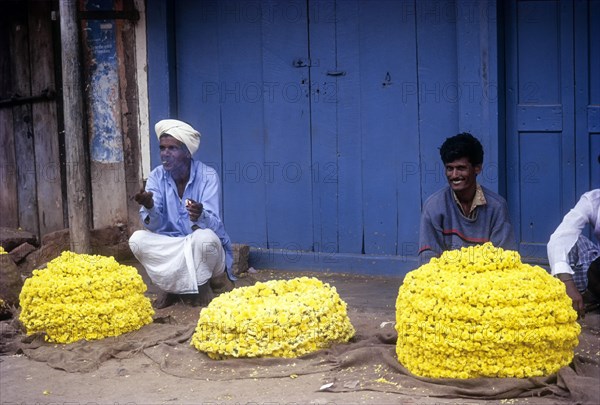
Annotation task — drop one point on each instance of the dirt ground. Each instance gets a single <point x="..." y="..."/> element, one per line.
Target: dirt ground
<point x="139" y="380"/>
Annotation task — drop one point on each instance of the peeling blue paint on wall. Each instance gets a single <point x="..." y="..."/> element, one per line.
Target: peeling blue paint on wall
<point x="106" y="140"/>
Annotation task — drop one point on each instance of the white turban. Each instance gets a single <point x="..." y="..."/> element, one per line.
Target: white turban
<point x="181" y="131"/>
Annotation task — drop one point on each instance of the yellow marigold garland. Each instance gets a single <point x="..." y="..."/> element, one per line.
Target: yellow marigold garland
<point x="82" y="296"/>
<point x="480" y="312"/>
<point x="277" y="318"/>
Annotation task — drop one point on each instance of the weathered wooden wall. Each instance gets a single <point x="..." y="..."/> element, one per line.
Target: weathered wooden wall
<point x="32" y="160"/>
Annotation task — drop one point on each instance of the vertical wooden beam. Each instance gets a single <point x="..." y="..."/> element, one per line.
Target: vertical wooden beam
<point x="77" y="168"/>
<point x="141" y="57"/>
<point x="125" y="46"/>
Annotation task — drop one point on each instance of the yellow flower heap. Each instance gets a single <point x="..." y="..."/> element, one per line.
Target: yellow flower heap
<point x="278" y="318"/>
<point x="480" y="312"/>
<point x="80" y="296"/>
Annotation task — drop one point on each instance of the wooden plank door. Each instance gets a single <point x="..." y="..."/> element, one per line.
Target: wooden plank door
<point x="32" y="186"/>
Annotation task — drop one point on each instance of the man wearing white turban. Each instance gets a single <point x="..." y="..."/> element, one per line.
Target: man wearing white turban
<point x="184" y="248"/>
<point x="181" y="131"/>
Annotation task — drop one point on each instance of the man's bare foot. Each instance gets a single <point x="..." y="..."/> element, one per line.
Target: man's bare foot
<point x="221" y="283"/>
<point x="164" y="300"/>
<point x="204" y="296"/>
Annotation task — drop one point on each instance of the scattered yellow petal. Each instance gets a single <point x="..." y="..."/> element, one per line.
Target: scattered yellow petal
<point x="384" y="381"/>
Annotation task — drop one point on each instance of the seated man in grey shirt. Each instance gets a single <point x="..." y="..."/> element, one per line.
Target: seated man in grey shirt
<point x="464" y="213"/>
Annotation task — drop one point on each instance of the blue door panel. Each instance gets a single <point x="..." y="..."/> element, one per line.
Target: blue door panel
<point x="389" y="136"/>
<point x="194" y="103"/>
<point x="437" y="72"/>
<point x="540" y="179"/>
<point x="287" y="127"/>
<point x="594" y="160"/>
<point x="161" y="75"/>
<point x="240" y="95"/>
<point x="213" y="93"/>
<point x="404" y="129"/>
<point x="538" y="52"/>
<point x="349" y="123"/>
<point x="587" y="99"/>
<point x="540" y="117"/>
<point x="593" y="40"/>
<point x="551" y="79"/>
<point x="323" y="99"/>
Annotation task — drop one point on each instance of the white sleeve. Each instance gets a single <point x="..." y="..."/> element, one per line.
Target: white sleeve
<point x="566" y="235"/>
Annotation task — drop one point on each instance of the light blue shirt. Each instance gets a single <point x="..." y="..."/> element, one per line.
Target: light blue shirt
<point x="169" y="215"/>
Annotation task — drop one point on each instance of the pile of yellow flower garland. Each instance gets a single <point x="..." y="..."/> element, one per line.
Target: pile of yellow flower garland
<point x="278" y="318"/>
<point x="480" y="312"/>
<point x="82" y="296"/>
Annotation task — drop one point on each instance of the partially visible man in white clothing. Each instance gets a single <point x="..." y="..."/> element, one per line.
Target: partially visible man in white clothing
<point x="184" y="248"/>
<point x="575" y="259"/>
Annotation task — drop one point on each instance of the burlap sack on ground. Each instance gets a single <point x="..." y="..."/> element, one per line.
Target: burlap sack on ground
<point x="86" y="356"/>
<point x="373" y="365"/>
<point x="368" y="362"/>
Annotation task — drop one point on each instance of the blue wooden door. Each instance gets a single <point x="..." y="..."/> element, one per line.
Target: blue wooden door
<point x="305" y="119"/>
<point x="587" y="95"/>
<point x="552" y="116"/>
<point x="324" y="118"/>
<point x="363" y="131"/>
<point x="238" y="82"/>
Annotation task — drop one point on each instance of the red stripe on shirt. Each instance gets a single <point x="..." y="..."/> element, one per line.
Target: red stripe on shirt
<point x="463" y="237"/>
<point x="424" y="248"/>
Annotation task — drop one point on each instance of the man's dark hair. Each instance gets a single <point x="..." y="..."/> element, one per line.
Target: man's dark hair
<point x="460" y="146"/>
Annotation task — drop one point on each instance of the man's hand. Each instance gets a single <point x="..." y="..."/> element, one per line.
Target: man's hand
<point x="144" y="198"/>
<point x="194" y="209"/>
<point x="575" y="297"/>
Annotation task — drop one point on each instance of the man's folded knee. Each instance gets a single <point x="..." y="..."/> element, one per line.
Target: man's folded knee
<point x="205" y="237"/>
<point x="135" y="241"/>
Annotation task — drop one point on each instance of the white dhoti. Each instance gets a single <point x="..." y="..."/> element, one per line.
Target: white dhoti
<point x="179" y="264"/>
